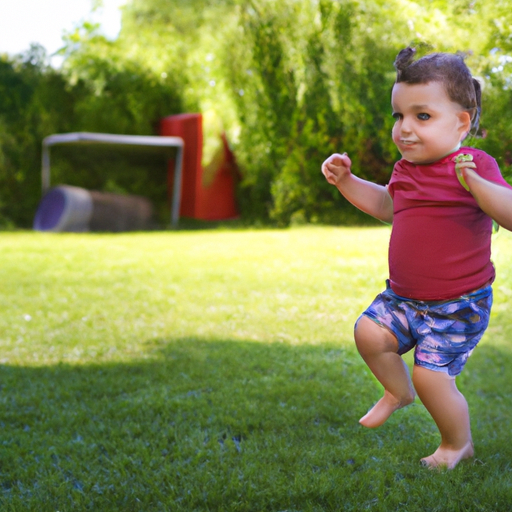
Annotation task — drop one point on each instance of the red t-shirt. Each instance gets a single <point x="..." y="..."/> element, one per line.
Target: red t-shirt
<point x="440" y="246"/>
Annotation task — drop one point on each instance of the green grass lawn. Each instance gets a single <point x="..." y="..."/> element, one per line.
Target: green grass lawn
<point x="216" y="371"/>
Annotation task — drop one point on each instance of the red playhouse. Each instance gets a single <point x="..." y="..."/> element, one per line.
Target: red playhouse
<point x="207" y="189"/>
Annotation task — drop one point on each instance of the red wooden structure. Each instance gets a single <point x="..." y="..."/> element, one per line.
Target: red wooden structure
<point x="206" y="194"/>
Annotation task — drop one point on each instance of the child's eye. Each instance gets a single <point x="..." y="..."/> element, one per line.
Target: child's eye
<point x="423" y="117"/>
<point x="396" y="116"/>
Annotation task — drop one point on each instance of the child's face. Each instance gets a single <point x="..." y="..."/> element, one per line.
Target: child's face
<point x="429" y="126"/>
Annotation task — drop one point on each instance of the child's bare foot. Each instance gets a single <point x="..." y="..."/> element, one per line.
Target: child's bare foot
<point x="447" y="457"/>
<point x="382" y="410"/>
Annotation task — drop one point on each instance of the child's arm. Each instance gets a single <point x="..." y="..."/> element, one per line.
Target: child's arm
<point x="495" y="200"/>
<point x="367" y="196"/>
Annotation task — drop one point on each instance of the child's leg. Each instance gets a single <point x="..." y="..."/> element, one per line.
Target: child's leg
<point x="378" y="347"/>
<point x="448" y="407"/>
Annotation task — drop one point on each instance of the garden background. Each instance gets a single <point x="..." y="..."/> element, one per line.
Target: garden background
<point x="289" y="82"/>
<point x="214" y="369"/>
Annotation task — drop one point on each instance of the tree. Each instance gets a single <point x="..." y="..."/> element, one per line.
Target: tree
<point x="291" y="81"/>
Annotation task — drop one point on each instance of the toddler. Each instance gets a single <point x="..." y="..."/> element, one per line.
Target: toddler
<point x="438" y="295"/>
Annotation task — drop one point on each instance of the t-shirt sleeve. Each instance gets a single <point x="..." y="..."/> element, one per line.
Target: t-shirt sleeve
<point x="487" y="167"/>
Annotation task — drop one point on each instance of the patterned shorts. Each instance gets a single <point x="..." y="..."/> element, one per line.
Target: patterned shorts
<point x="443" y="333"/>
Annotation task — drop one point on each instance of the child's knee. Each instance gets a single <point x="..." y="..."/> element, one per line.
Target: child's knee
<point x="371" y="337"/>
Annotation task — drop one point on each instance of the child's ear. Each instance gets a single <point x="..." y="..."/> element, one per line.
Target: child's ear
<point x="464" y="124"/>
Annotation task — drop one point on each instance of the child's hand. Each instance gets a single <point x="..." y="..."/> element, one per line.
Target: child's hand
<point x="336" y="167"/>
<point x="463" y="161"/>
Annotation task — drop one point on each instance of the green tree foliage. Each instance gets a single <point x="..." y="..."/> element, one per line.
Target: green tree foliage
<point x="327" y="98"/>
<point x="124" y="95"/>
<point x="98" y="91"/>
<point x="34" y="101"/>
<point x="295" y="81"/>
<point x="291" y="81"/>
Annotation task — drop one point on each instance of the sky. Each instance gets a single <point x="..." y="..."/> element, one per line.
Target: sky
<point x="23" y="22"/>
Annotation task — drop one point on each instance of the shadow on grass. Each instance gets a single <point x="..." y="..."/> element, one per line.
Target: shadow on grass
<point x="229" y="425"/>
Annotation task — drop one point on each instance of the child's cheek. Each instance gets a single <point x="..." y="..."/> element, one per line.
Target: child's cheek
<point x="395" y="134"/>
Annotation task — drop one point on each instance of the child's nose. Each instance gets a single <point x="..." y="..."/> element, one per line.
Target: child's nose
<point x="405" y="126"/>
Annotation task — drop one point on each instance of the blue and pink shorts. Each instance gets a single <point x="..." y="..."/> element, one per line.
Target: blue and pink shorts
<point x="443" y="333"/>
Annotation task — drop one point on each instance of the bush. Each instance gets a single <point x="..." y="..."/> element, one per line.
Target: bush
<point x="292" y="82"/>
<point x="34" y="102"/>
<point x="98" y="94"/>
